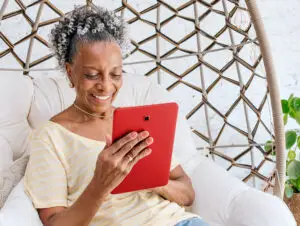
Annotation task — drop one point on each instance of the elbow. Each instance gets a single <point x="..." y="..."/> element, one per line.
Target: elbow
<point x="191" y="198"/>
<point x="192" y="193"/>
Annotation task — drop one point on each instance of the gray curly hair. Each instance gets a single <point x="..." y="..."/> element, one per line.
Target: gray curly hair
<point x="86" y="25"/>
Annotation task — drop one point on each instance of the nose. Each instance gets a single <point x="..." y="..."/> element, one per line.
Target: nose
<point x="104" y="83"/>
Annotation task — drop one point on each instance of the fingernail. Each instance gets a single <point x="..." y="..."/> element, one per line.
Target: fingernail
<point x="133" y="134"/>
<point x="148" y="152"/>
<point x="149" y="140"/>
<point x="145" y="133"/>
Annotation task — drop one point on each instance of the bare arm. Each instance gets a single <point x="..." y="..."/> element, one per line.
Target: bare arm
<point x="80" y="213"/>
<point x="179" y="189"/>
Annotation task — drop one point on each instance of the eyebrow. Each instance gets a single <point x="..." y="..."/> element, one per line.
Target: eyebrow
<point x="91" y="67"/>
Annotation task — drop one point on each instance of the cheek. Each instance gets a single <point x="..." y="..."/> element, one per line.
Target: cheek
<point x="118" y="84"/>
<point x="85" y="85"/>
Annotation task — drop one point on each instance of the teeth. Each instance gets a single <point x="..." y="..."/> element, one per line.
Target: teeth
<point x="102" y="97"/>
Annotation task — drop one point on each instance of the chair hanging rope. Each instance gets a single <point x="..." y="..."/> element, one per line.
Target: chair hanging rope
<point x="275" y="97"/>
<point x="89" y="3"/>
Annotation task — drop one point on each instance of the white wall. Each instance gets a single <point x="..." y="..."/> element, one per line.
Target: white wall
<point x="282" y="23"/>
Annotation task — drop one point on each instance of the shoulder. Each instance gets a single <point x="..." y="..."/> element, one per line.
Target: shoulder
<point x="63" y="118"/>
<point x="46" y="140"/>
<point x="48" y="131"/>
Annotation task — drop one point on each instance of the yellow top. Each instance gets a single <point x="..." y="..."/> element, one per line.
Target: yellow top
<point x="62" y="164"/>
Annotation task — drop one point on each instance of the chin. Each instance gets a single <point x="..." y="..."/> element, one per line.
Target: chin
<point x="103" y="107"/>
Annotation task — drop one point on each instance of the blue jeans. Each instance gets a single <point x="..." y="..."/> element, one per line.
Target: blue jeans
<point x="192" y="222"/>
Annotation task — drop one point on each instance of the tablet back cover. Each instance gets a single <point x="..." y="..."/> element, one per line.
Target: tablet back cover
<point x="160" y="121"/>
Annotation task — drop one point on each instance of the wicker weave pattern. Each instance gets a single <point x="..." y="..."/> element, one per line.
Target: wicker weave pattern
<point x="205" y="52"/>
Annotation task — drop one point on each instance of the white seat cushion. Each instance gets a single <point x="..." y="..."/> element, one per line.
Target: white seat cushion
<point x="223" y="200"/>
<point x="18" y="210"/>
<point x="253" y="207"/>
<point x="220" y="199"/>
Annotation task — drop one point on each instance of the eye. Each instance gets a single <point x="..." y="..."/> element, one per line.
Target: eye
<point x="117" y="75"/>
<point x="92" y="77"/>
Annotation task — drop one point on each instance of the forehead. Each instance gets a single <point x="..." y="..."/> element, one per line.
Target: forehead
<point x="102" y="53"/>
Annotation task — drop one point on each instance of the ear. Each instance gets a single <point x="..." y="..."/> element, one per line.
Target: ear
<point x="69" y="71"/>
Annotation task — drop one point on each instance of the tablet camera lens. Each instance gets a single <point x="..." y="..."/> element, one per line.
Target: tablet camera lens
<point x="147" y="118"/>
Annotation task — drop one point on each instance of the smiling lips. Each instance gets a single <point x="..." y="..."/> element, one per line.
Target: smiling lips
<point x="101" y="98"/>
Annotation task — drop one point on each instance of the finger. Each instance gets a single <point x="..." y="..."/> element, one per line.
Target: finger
<point x="129" y="158"/>
<point x="139" y="147"/>
<point x="130" y="145"/>
<point x="140" y="156"/>
<point x="116" y="146"/>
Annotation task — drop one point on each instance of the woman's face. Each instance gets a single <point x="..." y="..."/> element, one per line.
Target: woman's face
<point x="96" y="72"/>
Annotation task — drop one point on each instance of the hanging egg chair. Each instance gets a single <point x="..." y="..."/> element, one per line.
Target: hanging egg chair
<point x="212" y="56"/>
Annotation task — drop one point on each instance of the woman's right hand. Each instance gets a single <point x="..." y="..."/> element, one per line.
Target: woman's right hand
<point x="116" y="160"/>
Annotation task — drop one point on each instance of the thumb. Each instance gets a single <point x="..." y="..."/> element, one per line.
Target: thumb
<point x="108" y="140"/>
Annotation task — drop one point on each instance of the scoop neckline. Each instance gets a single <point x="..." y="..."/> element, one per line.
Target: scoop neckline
<point x="75" y="134"/>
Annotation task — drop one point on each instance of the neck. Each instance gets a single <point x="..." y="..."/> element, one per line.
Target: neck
<point x="91" y="115"/>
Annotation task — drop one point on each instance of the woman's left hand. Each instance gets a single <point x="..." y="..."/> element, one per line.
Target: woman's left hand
<point x="179" y="189"/>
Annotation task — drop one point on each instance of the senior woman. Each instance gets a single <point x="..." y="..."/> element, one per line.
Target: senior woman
<point x="73" y="164"/>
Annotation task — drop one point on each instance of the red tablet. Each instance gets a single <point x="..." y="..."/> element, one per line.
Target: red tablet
<point x="160" y="120"/>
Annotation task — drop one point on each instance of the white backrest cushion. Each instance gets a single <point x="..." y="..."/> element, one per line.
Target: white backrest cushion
<point x="51" y="96"/>
<point x="15" y="99"/>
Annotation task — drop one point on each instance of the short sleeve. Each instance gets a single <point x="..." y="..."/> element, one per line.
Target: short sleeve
<point x="45" y="179"/>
